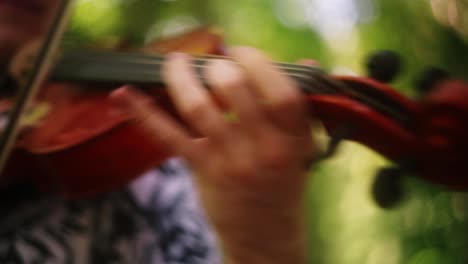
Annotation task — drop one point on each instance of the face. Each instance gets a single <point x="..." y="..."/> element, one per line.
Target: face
<point x="22" y="21"/>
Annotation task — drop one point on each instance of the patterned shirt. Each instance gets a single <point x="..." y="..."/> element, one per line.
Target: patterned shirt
<point x="155" y="219"/>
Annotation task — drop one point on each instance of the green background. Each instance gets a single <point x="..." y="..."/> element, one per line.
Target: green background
<point x="345" y="224"/>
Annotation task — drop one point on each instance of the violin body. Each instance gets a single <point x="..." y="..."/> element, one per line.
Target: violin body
<point x="83" y="147"/>
<point x="82" y="143"/>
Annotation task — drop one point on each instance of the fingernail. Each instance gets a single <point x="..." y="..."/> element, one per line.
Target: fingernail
<point x="119" y="97"/>
<point x="309" y="62"/>
<point x="238" y="49"/>
<point x="177" y="55"/>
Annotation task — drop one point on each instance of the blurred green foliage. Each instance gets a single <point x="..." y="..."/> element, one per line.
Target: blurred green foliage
<point x="345" y="225"/>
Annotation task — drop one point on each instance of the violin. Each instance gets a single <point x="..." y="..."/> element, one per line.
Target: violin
<point x="81" y="137"/>
<point x="80" y="147"/>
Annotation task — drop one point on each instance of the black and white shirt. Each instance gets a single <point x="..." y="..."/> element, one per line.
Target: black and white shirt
<point x="156" y="219"/>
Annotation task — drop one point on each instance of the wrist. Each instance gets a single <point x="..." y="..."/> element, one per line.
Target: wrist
<point x="276" y="240"/>
<point x="260" y="233"/>
<point x="258" y="224"/>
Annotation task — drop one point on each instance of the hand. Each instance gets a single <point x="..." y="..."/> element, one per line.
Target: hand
<point x="250" y="171"/>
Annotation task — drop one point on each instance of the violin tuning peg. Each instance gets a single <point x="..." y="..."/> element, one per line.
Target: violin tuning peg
<point x="384" y="66"/>
<point x="387" y="189"/>
<point x="430" y="78"/>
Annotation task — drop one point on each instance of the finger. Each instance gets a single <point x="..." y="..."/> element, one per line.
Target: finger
<point x="230" y="84"/>
<point x="191" y="99"/>
<point x="278" y="93"/>
<point x="308" y="62"/>
<point x="162" y="128"/>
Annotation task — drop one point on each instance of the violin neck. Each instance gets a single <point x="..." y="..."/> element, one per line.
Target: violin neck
<point x="112" y="69"/>
<point x="144" y="69"/>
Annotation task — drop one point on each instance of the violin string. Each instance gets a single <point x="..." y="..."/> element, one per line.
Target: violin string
<point x="322" y="86"/>
<point x="313" y="78"/>
<point x="313" y="82"/>
<point x="151" y="59"/>
<point x="292" y="70"/>
<point x="305" y="85"/>
<point x="310" y="79"/>
<point x="305" y="81"/>
<point x="159" y="58"/>
<point x="311" y="75"/>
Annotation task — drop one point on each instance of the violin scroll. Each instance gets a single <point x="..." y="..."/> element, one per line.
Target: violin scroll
<point x="426" y="138"/>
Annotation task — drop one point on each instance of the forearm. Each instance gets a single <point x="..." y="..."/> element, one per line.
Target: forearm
<point x="258" y="226"/>
<point x="279" y="240"/>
